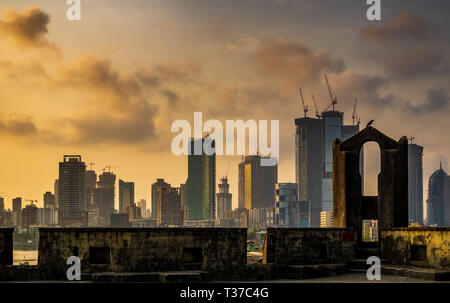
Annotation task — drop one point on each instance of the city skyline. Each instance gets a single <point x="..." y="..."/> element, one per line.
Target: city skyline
<point x="84" y="95"/>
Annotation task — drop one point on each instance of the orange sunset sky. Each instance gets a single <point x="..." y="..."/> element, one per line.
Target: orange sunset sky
<point x="108" y="87"/>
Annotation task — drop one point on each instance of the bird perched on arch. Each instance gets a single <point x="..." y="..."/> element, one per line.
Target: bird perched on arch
<point x="370" y="123"/>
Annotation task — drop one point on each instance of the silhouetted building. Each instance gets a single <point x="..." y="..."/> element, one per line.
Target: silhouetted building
<point x="17" y="211"/>
<point x="126" y="195"/>
<point x="89" y="189"/>
<point x="17" y="204"/>
<point x="71" y="191"/>
<point x="30" y="215"/>
<point x="415" y="183"/>
<point x="314" y="159"/>
<point x="169" y="207"/>
<point x="438" y="203"/>
<point x="223" y="198"/>
<point x="143" y="205"/>
<point x="49" y="199"/>
<point x="104" y="196"/>
<point x="155" y="186"/>
<point x="2" y="204"/>
<point x="286" y="205"/>
<point x="119" y="220"/>
<point x="256" y="183"/>
<point x="56" y="189"/>
<point x="200" y="186"/>
<point x="308" y="165"/>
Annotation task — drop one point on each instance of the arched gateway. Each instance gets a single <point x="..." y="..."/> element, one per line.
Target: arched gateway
<point x="350" y="206"/>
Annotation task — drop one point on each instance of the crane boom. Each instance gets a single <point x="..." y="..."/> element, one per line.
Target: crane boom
<point x="305" y="107"/>
<point x="315" y="105"/>
<point x="333" y="99"/>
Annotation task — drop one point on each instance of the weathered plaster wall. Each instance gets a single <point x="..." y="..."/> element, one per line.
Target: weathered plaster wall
<point x="220" y="251"/>
<point x="404" y="246"/>
<point x="295" y="246"/>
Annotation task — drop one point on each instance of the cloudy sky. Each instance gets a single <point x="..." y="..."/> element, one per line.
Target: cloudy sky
<point x="108" y="87"/>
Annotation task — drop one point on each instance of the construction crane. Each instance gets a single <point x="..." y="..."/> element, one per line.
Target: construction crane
<point x="305" y="107"/>
<point x="91" y="164"/>
<point x="411" y="139"/>
<point x="355" y="115"/>
<point x="333" y="99"/>
<point x="315" y="105"/>
<point x="109" y="168"/>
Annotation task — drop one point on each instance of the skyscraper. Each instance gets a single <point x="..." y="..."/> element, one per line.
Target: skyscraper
<point x="314" y="159"/>
<point x="167" y="200"/>
<point x="56" y="189"/>
<point x="2" y="204"/>
<point x="49" y="199"/>
<point x="71" y="191"/>
<point x="286" y="205"/>
<point x="415" y="183"/>
<point x="200" y="186"/>
<point x="223" y="198"/>
<point x="17" y="204"/>
<point x="256" y="183"/>
<point x="17" y="211"/>
<point x="308" y="165"/>
<point x="126" y="195"/>
<point x="159" y="183"/>
<point x="90" y="183"/>
<point x="104" y="196"/>
<point x="438" y="203"/>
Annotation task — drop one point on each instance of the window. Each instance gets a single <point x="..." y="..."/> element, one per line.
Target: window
<point x="99" y="255"/>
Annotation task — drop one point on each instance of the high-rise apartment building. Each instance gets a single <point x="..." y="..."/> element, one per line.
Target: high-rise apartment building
<point x="170" y="210"/>
<point x="256" y="183"/>
<point x="438" y="203"/>
<point x="314" y="159"/>
<point x="90" y="183"/>
<point x="200" y="186"/>
<point x="126" y="195"/>
<point x="415" y="183"/>
<point x="56" y="190"/>
<point x="223" y="198"/>
<point x="104" y="196"/>
<point x="286" y="205"/>
<point x="72" y="203"/>
<point x="308" y="165"/>
<point x="49" y="199"/>
<point x="17" y="204"/>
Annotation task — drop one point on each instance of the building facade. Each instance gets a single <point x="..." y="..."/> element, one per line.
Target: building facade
<point x="71" y="190"/>
<point x="170" y="210"/>
<point x="438" y="203"/>
<point x="224" y="198"/>
<point x="415" y="183"/>
<point x="104" y="196"/>
<point x="308" y="165"/>
<point x="200" y="187"/>
<point x="126" y="195"/>
<point x="285" y="204"/>
<point x="256" y="183"/>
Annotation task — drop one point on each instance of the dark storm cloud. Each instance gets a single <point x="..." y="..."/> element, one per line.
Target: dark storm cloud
<point x="293" y="61"/>
<point x="405" y="25"/>
<point x="17" y="126"/>
<point x="435" y="100"/>
<point x="134" y="126"/>
<point x="171" y="96"/>
<point x="407" y="46"/>
<point x="28" y="28"/>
